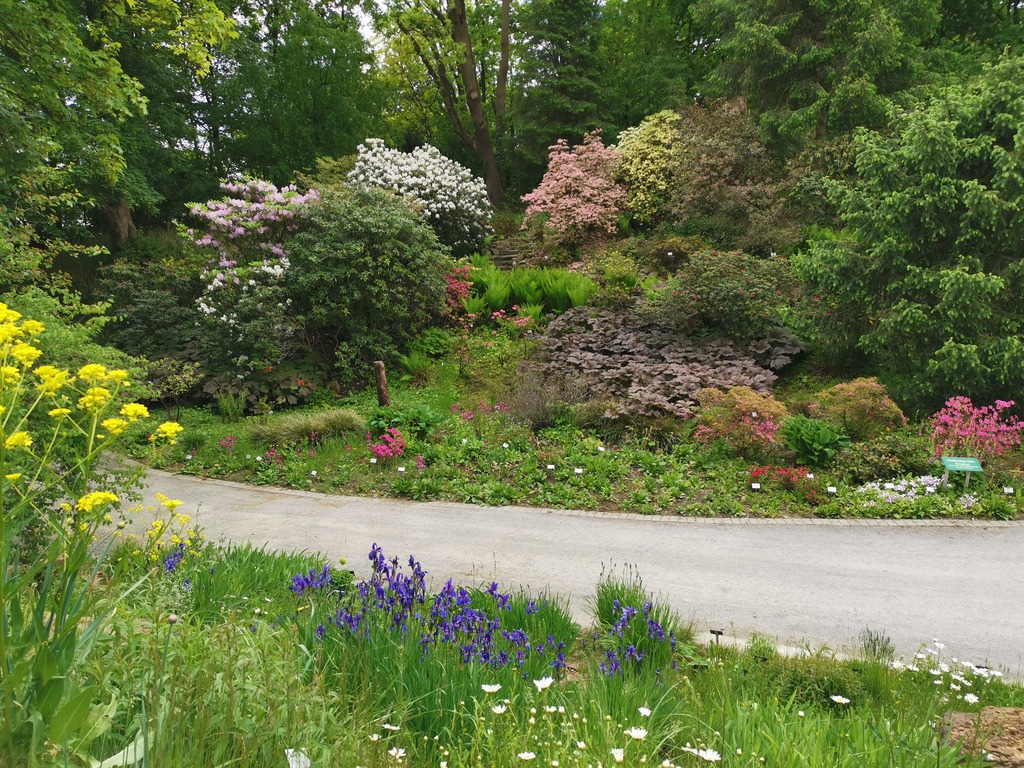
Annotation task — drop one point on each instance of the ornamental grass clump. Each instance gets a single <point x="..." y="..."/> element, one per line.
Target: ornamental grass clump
<point x="54" y="503"/>
<point x="309" y="427"/>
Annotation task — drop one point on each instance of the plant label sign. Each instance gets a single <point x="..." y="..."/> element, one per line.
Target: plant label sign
<point x="960" y="464"/>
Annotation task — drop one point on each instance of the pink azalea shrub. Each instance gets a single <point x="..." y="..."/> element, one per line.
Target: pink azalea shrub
<point x="459" y="286"/>
<point x="578" y="193"/>
<point x="963" y="429"/>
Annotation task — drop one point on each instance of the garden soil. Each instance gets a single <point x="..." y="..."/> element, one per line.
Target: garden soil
<point x="999" y="732"/>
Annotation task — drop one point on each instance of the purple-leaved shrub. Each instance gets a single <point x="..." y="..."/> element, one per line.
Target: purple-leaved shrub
<point x="644" y="369"/>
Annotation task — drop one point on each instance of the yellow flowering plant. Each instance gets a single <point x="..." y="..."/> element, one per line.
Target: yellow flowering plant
<point x="54" y="506"/>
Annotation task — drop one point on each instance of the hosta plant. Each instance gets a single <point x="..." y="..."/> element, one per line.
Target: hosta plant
<point x="814" y="442"/>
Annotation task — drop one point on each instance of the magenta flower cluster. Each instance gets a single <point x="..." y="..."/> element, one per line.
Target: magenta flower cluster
<point x="390" y="445"/>
<point x="984" y="432"/>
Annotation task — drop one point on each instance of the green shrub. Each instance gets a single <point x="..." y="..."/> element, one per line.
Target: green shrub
<point x="734" y="294"/>
<point x="667" y="255"/>
<point x="929" y="278"/>
<point x="367" y="275"/>
<point x="813" y="441"/>
<point x="893" y="454"/>
<point x="154" y="284"/>
<point x="861" y="408"/>
<point x="433" y="342"/>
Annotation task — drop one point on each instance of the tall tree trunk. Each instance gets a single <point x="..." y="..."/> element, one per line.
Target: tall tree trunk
<point x="117" y="220"/>
<point x="481" y="139"/>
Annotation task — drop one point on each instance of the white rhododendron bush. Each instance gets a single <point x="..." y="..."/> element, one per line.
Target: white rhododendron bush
<point x="453" y="200"/>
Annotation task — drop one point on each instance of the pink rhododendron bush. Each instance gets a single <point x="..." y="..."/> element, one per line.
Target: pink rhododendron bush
<point x="578" y="194"/>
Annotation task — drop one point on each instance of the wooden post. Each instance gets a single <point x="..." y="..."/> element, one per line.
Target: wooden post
<point x="383" y="398"/>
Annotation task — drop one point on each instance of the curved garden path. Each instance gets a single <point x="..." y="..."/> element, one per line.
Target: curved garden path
<point x="800" y="581"/>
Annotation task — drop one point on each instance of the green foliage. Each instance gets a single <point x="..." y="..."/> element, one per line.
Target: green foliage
<point x="666" y="255"/>
<point x="624" y="611"/>
<point x="929" y="279"/>
<point x="814" y="442"/>
<point x="560" y="53"/>
<point x="861" y="408"/>
<point x="556" y="290"/>
<point x="899" y="453"/>
<point x="313" y="427"/>
<point x="618" y="276"/>
<point x="73" y="331"/>
<point x="231" y="407"/>
<point x="366" y="277"/>
<point x="55" y="501"/>
<point x="808" y="68"/>
<point x="434" y="342"/>
<point x="733" y="294"/>
<point x="649" y="58"/>
<point x="418" y="367"/>
<point x="296" y="85"/>
<point x="66" y="92"/>
<point x="420" y="421"/>
<point x="649" y="164"/>
<point x="153" y="284"/>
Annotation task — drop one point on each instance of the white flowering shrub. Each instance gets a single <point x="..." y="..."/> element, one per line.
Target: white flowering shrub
<point x="452" y="199"/>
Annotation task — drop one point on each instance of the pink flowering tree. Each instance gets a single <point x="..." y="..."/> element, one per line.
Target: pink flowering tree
<point x="963" y="429"/>
<point x="246" y="235"/>
<point x="578" y="194"/>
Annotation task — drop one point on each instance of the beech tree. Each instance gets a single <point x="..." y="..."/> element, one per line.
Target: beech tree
<point x="440" y="36"/>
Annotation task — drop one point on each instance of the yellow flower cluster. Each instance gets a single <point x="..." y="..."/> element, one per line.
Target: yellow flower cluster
<point x="25" y="354"/>
<point x="170" y="504"/>
<point x="94" y="499"/>
<point x="114" y="426"/>
<point x="95" y="399"/>
<point x="51" y="379"/>
<point x="134" y="411"/>
<point x="18" y="440"/>
<point x="169" y="431"/>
